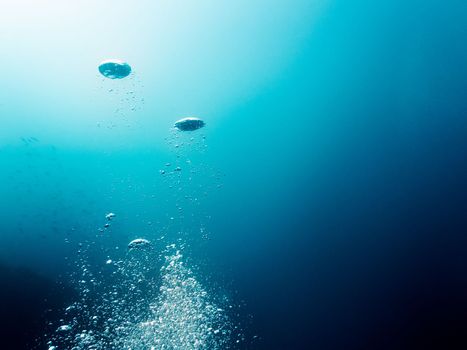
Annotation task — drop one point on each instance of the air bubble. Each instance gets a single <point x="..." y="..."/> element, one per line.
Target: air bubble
<point x="189" y="124"/>
<point x="139" y="244"/>
<point x="64" y="328"/>
<point x="114" y="69"/>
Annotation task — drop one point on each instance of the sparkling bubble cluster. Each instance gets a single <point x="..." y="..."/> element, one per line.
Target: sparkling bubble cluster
<point x="183" y="317"/>
<point x="130" y="304"/>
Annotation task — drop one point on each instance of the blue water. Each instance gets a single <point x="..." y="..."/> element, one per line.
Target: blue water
<point x="322" y="206"/>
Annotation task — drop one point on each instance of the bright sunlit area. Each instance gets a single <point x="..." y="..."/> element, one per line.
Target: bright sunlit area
<point x="185" y="57"/>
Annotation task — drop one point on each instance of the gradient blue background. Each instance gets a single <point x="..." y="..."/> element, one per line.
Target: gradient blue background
<point x="337" y="130"/>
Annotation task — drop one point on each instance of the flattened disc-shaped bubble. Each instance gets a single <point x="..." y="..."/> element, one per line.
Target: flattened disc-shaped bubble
<point x="189" y="124"/>
<point x="64" y="328"/>
<point x="114" y="69"/>
<point x="139" y="244"/>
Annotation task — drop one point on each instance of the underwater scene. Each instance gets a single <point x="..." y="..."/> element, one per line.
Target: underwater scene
<point x="245" y="175"/>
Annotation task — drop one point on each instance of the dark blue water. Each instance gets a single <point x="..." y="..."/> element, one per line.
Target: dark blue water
<point x="323" y="205"/>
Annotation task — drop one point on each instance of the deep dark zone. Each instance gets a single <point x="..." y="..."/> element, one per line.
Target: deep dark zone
<point x="28" y="302"/>
<point x="394" y="281"/>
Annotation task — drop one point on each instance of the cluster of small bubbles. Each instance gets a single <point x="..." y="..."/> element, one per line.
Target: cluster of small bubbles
<point x="182" y="316"/>
<point x="111" y="300"/>
<point x="124" y="305"/>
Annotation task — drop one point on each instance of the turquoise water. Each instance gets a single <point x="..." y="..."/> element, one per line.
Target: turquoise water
<point x="321" y="206"/>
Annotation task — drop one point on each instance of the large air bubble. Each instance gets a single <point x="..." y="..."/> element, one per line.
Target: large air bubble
<point x="114" y="69"/>
<point x="189" y="124"/>
<point x="139" y="244"/>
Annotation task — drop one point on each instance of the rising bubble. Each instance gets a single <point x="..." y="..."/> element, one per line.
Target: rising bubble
<point x="114" y="69"/>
